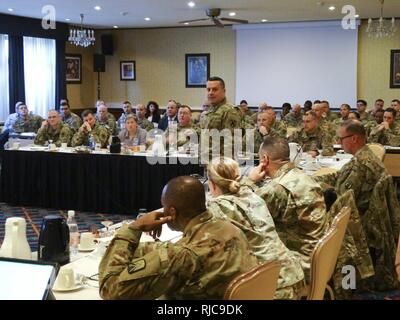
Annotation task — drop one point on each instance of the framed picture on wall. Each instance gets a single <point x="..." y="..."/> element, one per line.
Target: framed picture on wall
<point x="127" y="70"/>
<point x="395" y="69"/>
<point x="197" y="69"/>
<point x="73" y="72"/>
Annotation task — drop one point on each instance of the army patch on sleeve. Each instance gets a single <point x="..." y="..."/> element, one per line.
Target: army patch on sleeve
<point x="136" y="266"/>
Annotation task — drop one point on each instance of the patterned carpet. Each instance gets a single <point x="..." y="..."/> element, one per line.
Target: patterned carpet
<point x="34" y="217"/>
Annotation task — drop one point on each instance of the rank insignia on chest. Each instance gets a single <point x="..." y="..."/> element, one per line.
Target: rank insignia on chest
<point x="136" y="266"/>
<point x="348" y="185"/>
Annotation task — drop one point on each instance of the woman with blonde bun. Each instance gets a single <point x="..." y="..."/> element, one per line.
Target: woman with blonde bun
<point x="246" y="210"/>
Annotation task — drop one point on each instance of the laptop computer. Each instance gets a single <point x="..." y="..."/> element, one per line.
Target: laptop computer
<point x="26" y="279"/>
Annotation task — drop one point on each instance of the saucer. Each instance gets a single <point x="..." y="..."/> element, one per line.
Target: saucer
<point x="76" y="287"/>
<point x="86" y="249"/>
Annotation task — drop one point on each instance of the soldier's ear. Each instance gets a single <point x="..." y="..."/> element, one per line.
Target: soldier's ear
<point x="172" y="213"/>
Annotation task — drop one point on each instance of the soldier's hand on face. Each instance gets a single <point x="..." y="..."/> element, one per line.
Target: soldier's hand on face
<point x="151" y="222"/>
<point x="83" y="128"/>
<point x="257" y="173"/>
<point x="44" y="123"/>
<point x="385" y="124"/>
<point x="263" y="130"/>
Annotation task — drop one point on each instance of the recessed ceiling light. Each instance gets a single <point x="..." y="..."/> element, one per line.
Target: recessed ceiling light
<point x="186" y="23"/>
<point x="191" y="4"/>
<point x="232" y="14"/>
<point x="357" y="15"/>
<point x="98" y="8"/>
<point x="332" y="8"/>
<point x="10" y="9"/>
<point x="264" y="20"/>
<point x="115" y="27"/>
<point x="67" y="19"/>
<point x="147" y="19"/>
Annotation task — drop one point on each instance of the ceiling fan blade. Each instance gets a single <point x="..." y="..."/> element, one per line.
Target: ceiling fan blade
<point x="234" y="20"/>
<point x="218" y="23"/>
<point x="195" y="20"/>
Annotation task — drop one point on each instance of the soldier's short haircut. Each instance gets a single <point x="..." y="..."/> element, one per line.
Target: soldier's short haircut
<point x="354" y="127"/>
<point x="346" y="106"/>
<point x="243" y="101"/>
<point x="86" y="113"/>
<point x="356" y="113"/>
<point x="396" y="100"/>
<point x="312" y="114"/>
<point x="127" y="102"/>
<point x="363" y="102"/>
<point x="64" y="104"/>
<point x="54" y="110"/>
<point x="186" y="194"/>
<point x="221" y="81"/>
<point x="131" y="116"/>
<point x="380" y="100"/>
<point x="277" y="148"/>
<point x="392" y="111"/>
<point x="325" y="101"/>
<point x="18" y="104"/>
<point x="184" y="106"/>
<point x="317" y="101"/>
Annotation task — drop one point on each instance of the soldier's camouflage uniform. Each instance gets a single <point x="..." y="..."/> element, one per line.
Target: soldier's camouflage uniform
<point x="210" y="254"/>
<point x="319" y="139"/>
<point x="110" y="124"/>
<point x="297" y="205"/>
<point x="63" y="134"/>
<point x="387" y="137"/>
<point x="379" y="210"/>
<point x="99" y="133"/>
<point x="249" y="212"/>
<point x="184" y="133"/>
<point x="220" y="116"/>
<point x="73" y="121"/>
<point x="278" y="129"/>
<point x="145" y="124"/>
<point x="294" y="120"/>
<point x="15" y="123"/>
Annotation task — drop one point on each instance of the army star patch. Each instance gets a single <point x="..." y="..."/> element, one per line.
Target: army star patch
<point x="136" y="266"/>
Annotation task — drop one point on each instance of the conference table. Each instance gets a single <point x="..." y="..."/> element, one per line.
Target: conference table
<point x="392" y="161"/>
<point x="94" y="182"/>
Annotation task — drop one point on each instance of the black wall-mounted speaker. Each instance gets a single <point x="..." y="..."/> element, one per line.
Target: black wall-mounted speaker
<point x="107" y="47"/>
<point x="99" y="63"/>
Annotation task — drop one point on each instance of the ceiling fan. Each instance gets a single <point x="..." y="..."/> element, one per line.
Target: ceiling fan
<point x="213" y="15"/>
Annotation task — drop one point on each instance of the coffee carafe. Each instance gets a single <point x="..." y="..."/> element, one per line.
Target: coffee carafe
<point x="54" y="240"/>
<point x="15" y="244"/>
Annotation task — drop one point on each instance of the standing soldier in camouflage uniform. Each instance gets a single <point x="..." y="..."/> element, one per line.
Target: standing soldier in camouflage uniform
<point x="312" y="138"/>
<point x="267" y="126"/>
<point x="295" y="201"/>
<point x="200" y="265"/>
<point x="295" y="118"/>
<point x="53" y="129"/>
<point x="106" y="119"/>
<point x="126" y="110"/>
<point x="388" y="132"/>
<point x="22" y="120"/>
<point x="90" y="128"/>
<point x="361" y="175"/>
<point x="185" y="129"/>
<point x="219" y="116"/>
<point x="68" y="117"/>
<point x="142" y="120"/>
<point x="240" y="205"/>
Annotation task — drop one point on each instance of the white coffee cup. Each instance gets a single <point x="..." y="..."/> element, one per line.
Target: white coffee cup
<point x="64" y="145"/>
<point x="65" y="279"/>
<point x="16" y="145"/>
<point x="87" y="241"/>
<point x="142" y="148"/>
<point x="52" y="146"/>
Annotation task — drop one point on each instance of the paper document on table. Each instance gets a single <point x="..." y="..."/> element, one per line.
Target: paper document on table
<point x="392" y="148"/>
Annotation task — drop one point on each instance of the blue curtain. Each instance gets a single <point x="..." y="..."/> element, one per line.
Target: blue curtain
<point x="61" y="84"/>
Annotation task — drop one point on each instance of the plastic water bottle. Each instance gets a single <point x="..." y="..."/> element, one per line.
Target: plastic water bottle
<point x="73" y="232"/>
<point x="92" y="143"/>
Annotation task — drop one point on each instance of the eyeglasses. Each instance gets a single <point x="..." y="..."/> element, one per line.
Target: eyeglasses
<point x="342" y="138"/>
<point x="63" y="108"/>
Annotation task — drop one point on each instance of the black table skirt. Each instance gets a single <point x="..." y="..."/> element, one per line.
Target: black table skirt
<point x="85" y="182"/>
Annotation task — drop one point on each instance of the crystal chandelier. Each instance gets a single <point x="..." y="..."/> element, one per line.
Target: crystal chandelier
<point x="381" y="28"/>
<point x="81" y="37"/>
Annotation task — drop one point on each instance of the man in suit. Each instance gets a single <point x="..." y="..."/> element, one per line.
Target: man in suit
<point x="171" y="115"/>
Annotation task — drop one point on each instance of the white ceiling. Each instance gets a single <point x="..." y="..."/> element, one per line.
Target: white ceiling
<point x="167" y="13"/>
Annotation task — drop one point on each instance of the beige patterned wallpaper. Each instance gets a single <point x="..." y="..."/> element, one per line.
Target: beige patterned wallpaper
<point x="160" y="65"/>
<point x="82" y="96"/>
<point x="374" y="67"/>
